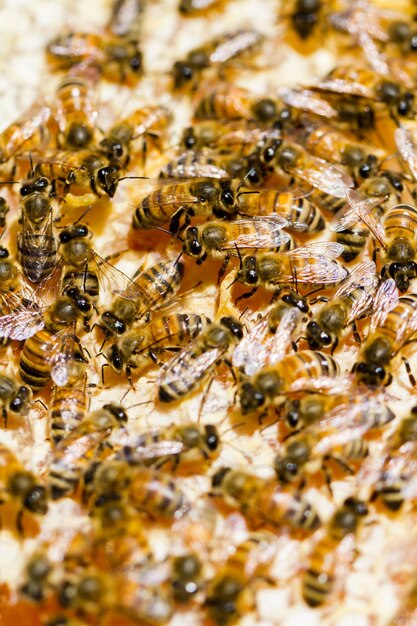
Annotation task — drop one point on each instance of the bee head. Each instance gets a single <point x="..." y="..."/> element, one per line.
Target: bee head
<point x="115" y="358"/>
<point x="108" y="179"/>
<point x="250" y="398"/>
<point x="117" y="412"/>
<point x="183" y="73"/>
<point x="77" y="231"/>
<point x="317" y="337"/>
<point x="192" y="242"/>
<point x="371" y="374"/>
<point x="402" y="273"/>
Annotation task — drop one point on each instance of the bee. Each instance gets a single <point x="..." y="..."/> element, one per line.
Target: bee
<point x="229" y="102"/>
<point x="21" y="486"/>
<point x="146" y="125"/>
<point x="264" y="500"/>
<point x="181" y="375"/>
<point x="313" y="263"/>
<point x="147" y="489"/>
<point x="219" y="239"/>
<point x="50" y="352"/>
<point x="221" y="50"/>
<point x="195" y="164"/>
<point x="351" y="301"/>
<point x="37" y="572"/>
<point x="393" y="323"/>
<point x="195" y="197"/>
<point x="68" y="405"/>
<point x="28" y="131"/>
<point x="305" y="16"/>
<point x="14" y="398"/>
<point x="191" y="8"/>
<point x="4" y="209"/>
<point x="305" y="371"/>
<point x="395" y="234"/>
<point x="118" y="59"/>
<point x="84" y="270"/>
<point x="318" y="579"/>
<point x="294" y="160"/>
<point x="21" y="310"/>
<point x="270" y="338"/>
<point x="73" y="455"/>
<point x="351" y="232"/>
<point x="186" y="443"/>
<point x="76" y="113"/>
<point x="155" y="287"/>
<point x="143" y="346"/>
<point x="87" y="170"/>
<point x="368" y="85"/>
<point x="227" y="137"/>
<point x="229" y="596"/>
<point x="338" y="435"/>
<point x="36" y="242"/>
<point x="301" y="213"/>
<point x="126" y="17"/>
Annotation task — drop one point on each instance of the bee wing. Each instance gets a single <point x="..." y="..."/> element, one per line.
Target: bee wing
<point x="317" y="271"/>
<point x="364" y="208"/>
<point x="347" y="216"/>
<point x="407" y="148"/>
<point x="191" y="168"/>
<point x="155" y="450"/>
<point x="200" y="365"/>
<point x="36" y="117"/>
<point x="375" y="58"/>
<point x="385" y="300"/>
<point x="338" y="85"/>
<point x="238" y="42"/>
<point x="178" y="195"/>
<point x="316" y="250"/>
<point x="325" y="176"/>
<point x="337" y="385"/>
<point x="61" y="357"/>
<point x="261" y="233"/>
<point x="284" y="334"/>
<point x="113" y="280"/>
<point x="307" y="101"/>
<point x="21" y="316"/>
<point x="362" y="277"/>
<point x="76" y="46"/>
<point x="251" y="351"/>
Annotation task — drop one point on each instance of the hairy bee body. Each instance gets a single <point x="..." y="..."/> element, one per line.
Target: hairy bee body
<point x="68" y="406"/>
<point x="14" y="398"/>
<point x="75" y="113"/>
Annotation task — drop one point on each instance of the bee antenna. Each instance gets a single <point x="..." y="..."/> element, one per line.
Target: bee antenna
<point x="178" y="257"/>
<point x="102" y="354"/>
<point x="134" y="178"/>
<point x="165" y="230"/>
<point x="243" y="312"/>
<point x="132" y="406"/>
<point x="83" y="214"/>
<point x="102" y="371"/>
<point x="31" y="164"/>
<point x="124" y="396"/>
<point x="10" y="182"/>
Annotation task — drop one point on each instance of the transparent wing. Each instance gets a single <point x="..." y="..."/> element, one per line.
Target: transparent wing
<point x="407" y="148"/>
<point x="199" y="365"/>
<point x="154" y="450"/>
<point x="251" y="351"/>
<point x="80" y="45"/>
<point x="324" y="176"/>
<point x="61" y="357"/>
<point x="317" y="250"/>
<point x="364" y="208"/>
<point x="26" y="127"/>
<point x="171" y="191"/>
<point x="323" y="271"/>
<point x="284" y="334"/>
<point x="307" y="101"/>
<point x="113" y="280"/>
<point x="260" y="233"/>
<point x="338" y="85"/>
<point x="337" y="385"/>
<point x="363" y="278"/>
<point x="385" y="300"/>
<point x="21" y="316"/>
<point x="237" y="43"/>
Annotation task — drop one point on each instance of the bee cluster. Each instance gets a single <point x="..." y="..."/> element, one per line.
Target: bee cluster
<point x="291" y="215"/>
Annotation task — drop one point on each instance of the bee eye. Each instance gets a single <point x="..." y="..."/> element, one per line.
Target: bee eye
<point x="136" y="63"/>
<point x="268" y="154"/>
<point x="228" y="198"/>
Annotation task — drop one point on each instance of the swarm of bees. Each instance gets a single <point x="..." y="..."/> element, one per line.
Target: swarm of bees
<point x="233" y="376"/>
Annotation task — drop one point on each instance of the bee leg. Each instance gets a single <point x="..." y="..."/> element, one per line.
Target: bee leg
<point x="223" y="268"/>
<point x="341" y="462"/>
<point x="409" y="372"/>
<point x="204" y="398"/>
<point x="229" y="365"/>
<point x="327" y="478"/>
<point x="174" y="224"/>
<point x="4" y="413"/>
<point x="261" y="418"/>
<point x="19" y="522"/>
<point x="334" y="345"/>
<point x="246" y="295"/>
<point x="318" y="299"/>
<point x="102" y="371"/>
<point x="41" y="403"/>
<point x="202" y="259"/>
<point x="375" y="253"/>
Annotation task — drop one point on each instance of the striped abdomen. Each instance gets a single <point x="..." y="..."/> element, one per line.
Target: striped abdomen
<point x="155" y="492"/>
<point x="34" y="368"/>
<point x="307" y="364"/>
<point x="161" y="205"/>
<point x="318" y="580"/>
<point x="37" y="254"/>
<point x="399" y="318"/>
<point x="68" y="408"/>
<point x="401" y="221"/>
<point x="84" y="277"/>
<point x="157" y="284"/>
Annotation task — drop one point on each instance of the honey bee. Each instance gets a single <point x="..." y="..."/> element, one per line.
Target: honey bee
<point x="195" y="197"/>
<point x="76" y="113"/>
<point x="28" y="131"/>
<point x="73" y="455"/>
<point x="369" y="85"/>
<point x="195" y="164"/>
<point x="181" y="375"/>
<point x="319" y="578"/>
<point x="221" y="50"/>
<point x="229" y="102"/>
<point x="143" y="346"/>
<point x="305" y="16"/>
<point x="148" y="490"/>
<point x="21" y="310"/>
<point x="146" y="125"/>
<point x="37" y="572"/>
<point x="293" y="159"/>
<point x="155" y="287"/>
<point x="36" y="241"/>
<point x="313" y="263"/>
<point x="263" y="500"/>
<point x="338" y="436"/>
<point x="229" y="137"/>
<point x="305" y="371"/>
<point x="351" y="301"/>
<point x="301" y="213"/>
<point x="68" y="404"/>
<point x="126" y="17"/>
<point x="219" y="239"/>
<point x="270" y="338"/>
<point x="86" y="170"/>
<point x="21" y="486"/>
<point x="229" y="596"/>
<point x="186" y="443"/>
<point x="393" y="323"/>
<point x="50" y="352"/>
<point x="117" y="58"/>
<point x="395" y="234"/>
<point x="14" y="398"/>
<point x="191" y="8"/>
<point x="353" y="234"/>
